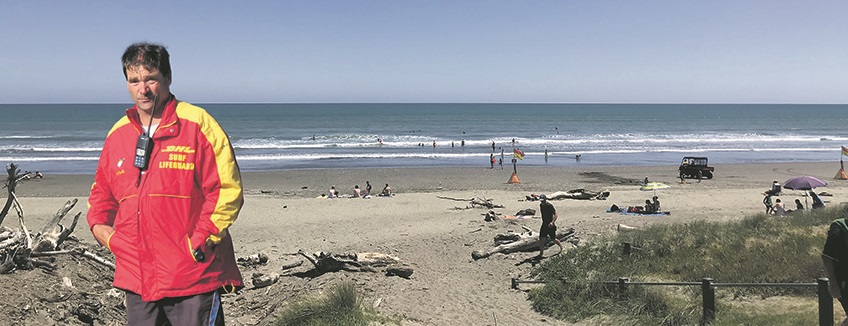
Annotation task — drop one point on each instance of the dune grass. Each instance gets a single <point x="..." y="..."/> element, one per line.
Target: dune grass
<point x="756" y="249"/>
<point x="341" y="305"/>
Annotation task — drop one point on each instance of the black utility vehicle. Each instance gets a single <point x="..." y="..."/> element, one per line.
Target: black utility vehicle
<point x="695" y="168"/>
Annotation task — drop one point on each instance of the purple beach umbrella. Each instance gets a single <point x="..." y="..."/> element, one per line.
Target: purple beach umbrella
<point x="804" y="183"/>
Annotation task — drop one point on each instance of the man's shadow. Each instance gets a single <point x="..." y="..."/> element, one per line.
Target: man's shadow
<point x="532" y="260"/>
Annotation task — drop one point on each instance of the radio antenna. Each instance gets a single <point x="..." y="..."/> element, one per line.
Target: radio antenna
<point x="152" y="113"/>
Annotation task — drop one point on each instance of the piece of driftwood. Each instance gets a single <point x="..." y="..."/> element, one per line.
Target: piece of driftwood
<point x="324" y="262"/>
<point x="292" y="265"/>
<point x="474" y="202"/>
<point x="253" y="260"/>
<point x="626" y="228"/>
<point x="92" y="256"/>
<point x="581" y="194"/>
<point x="261" y="280"/>
<point x="525" y="242"/>
<point x="53" y="234"/>
<point x="401" y="271"/>
<point x="18" y="247"/>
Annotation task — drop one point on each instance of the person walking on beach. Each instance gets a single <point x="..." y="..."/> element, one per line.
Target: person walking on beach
<point x="164" y="209"/>
<point x="492" y="161"/>
<point x="547" y="232"/>
<point x="546" y="156"/>
<point x="767" y="202"/>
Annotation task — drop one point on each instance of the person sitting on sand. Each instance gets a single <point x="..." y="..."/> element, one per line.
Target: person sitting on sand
<point x="656" y="205"/>
<point x="333" y="193"/>
<point x="798" y="205"/>
<point x="387" y="191"/>
<point x="367" y="188"/>
<point x="817" y="201"/>
<point x="357" y="193"/>
<point x="649" y="208"/>
<point x="778" y="208"/>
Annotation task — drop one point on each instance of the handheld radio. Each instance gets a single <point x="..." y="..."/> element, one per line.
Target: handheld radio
<point x="144" y="145"/>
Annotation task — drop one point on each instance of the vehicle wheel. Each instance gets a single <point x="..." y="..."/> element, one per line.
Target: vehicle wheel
<point x="709" y="175"/>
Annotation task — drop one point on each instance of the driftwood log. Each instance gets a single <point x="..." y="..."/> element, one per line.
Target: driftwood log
<point x="581" y="194"/>
<point x="474" y="202"/>
<point x="324" y="262"/>
<point x="509" y="243"/>
<point x="19" y="248"/>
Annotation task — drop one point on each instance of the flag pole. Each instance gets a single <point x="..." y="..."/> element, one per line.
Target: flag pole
<point x="841" y="175"/>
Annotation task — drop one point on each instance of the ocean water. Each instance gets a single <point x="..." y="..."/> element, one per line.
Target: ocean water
<point x="66" y="138"/>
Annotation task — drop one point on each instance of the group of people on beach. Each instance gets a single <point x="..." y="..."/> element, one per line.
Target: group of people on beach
<point x="359" y="192"/>
<point x="774" y="206"/>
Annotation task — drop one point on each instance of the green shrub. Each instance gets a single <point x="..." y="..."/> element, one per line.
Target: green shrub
<point x="342" y="305"/>
<point x="756" y="249"/>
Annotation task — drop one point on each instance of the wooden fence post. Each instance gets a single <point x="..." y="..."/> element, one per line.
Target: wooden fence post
<point x="825" y="303"/>
<point x="708" y="293"/>
<point x="622" y="286"/>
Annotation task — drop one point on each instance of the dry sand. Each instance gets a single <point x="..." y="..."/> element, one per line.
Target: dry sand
<point x="282" y="214"/>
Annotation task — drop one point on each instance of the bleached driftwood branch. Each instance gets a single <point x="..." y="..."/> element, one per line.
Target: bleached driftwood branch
<point x="475" y="202"/>
<point x="511" y="242"/>
<point x="18" y="247"/>
<point x="324" y="262"/>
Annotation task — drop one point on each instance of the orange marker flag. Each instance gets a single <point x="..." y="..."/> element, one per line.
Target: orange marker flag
<point x="518" y="154"/>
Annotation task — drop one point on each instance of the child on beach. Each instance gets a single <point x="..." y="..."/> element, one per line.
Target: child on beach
<point x="768" y="203"/>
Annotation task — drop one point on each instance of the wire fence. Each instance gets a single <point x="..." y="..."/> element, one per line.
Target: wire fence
<point x="708" y="286"/>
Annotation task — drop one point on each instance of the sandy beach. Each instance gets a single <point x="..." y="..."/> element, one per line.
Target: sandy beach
<point x="436" y="236"/>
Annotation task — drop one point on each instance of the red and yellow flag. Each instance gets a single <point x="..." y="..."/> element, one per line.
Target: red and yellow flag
<point x="518" y="154"/>
<point x="844" y="151"/>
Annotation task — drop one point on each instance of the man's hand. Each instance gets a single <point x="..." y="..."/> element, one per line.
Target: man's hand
<point x="102" y="232"/>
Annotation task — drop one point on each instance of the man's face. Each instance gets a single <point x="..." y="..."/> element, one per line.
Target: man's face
<point x="144" y="84"/>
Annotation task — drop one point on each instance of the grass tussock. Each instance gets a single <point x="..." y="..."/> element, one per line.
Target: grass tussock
<point x="756" y="249"/>
<point x="341" y="305"/>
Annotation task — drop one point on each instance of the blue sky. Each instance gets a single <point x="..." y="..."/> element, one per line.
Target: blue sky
<point x="434" y="51"/>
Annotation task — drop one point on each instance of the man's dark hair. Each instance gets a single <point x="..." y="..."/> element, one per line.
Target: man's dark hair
<point x="148" y="55"/>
